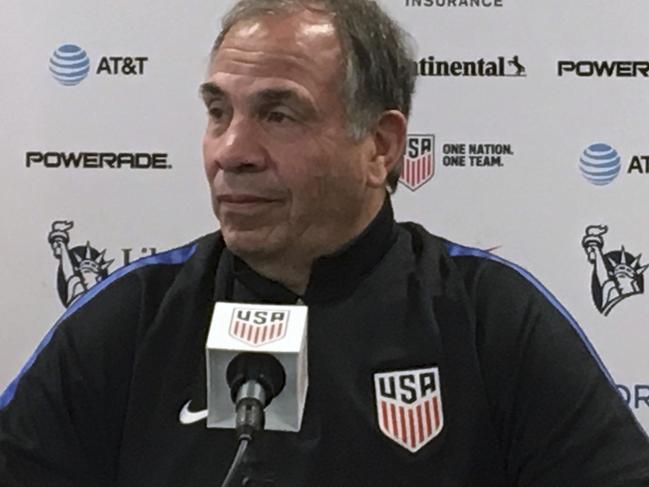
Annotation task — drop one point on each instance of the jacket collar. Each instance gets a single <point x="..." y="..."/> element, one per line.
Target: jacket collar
<point x="333" y="276"/>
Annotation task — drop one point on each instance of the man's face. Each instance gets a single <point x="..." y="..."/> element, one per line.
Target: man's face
<point x="285" y="175"/>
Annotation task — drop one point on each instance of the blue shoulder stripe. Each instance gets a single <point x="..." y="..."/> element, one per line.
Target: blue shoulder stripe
<point x="174" y="256"/>
<point x="456" y="250"/>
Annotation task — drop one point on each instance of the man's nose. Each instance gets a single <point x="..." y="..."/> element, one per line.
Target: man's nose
<point x="239" y="147"/>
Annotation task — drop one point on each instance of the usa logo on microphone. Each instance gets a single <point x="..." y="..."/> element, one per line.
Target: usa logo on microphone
<point x="409" y="406"/>
<point x="258" y="327"/>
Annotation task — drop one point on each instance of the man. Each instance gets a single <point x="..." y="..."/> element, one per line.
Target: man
<point x="307" y="106"/>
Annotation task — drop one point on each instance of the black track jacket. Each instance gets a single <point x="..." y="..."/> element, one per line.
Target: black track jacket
<point x="113" y="395"/>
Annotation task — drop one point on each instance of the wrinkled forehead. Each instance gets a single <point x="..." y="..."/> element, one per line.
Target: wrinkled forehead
<point x="303" y="42"/>
<point x="299" y="26"/>
<point x="301" y="48"/>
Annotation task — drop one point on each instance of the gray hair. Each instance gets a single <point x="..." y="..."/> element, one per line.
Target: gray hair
<point x="378" y="57"/>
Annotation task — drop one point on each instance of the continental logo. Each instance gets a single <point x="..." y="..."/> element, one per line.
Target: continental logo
<point x="500" y="66"/>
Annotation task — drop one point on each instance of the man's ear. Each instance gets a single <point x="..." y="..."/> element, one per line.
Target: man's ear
<point x="389" y="138"/>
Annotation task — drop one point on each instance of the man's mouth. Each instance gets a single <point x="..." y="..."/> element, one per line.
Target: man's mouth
<point x="246" y="203"/>
<point x="242" y="199"/>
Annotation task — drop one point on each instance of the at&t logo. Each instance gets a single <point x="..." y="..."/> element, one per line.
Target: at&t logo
<point x="600" y="164"/>
<point x="70" y="64"/>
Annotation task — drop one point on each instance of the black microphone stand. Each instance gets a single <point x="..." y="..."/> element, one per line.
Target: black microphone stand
<point x="254" y="380"/>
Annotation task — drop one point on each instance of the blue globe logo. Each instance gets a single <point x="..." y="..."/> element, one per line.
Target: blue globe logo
<point x="69" y="64"/>
<point x="600" y="164"/>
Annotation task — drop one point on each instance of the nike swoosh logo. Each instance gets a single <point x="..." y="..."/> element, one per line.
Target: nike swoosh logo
<point x="189" y="417"/>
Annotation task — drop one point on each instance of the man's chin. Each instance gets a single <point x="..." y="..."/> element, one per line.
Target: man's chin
<point x="248" y="243"/>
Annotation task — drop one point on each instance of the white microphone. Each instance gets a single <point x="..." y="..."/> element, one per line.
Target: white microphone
<point x="258" y="352"/>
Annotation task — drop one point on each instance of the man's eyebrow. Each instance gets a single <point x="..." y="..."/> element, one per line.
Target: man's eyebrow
<point x="278" y="95"/>
<point x="210" y="91"/>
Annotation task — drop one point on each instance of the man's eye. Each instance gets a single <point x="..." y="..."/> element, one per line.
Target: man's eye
<point x="277" y="117"/>
<point x="215" y="113"/>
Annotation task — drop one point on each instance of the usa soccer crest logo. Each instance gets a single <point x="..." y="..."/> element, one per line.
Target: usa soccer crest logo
<point x="409" y="406"/>
<point x="419" y="161"/>
<point x="258" y="327"/>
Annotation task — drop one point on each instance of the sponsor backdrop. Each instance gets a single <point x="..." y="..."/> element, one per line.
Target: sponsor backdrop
<point x="528" y="138"/>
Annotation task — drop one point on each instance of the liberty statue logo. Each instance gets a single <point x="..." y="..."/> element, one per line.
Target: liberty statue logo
<point x="617" y="275"/>
<point x="80" y="267"/>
